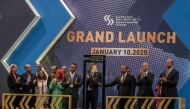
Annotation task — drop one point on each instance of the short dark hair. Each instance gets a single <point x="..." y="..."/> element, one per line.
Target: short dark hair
<point x="55" y="67"/>
<point x="73" y="64"/>
<point x="125" y="66"/>
<point x="129" y="69"/>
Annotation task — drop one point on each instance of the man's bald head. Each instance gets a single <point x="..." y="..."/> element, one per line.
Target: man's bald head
<point x="28" y="68"/>
<point x="145" y="66"/>
<point x="169" y="63"/>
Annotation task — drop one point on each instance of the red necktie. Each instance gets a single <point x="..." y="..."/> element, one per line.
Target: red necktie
<point x="42" y="87"/>
<point x="167" y="73"/>
<point x="123" y="78"/>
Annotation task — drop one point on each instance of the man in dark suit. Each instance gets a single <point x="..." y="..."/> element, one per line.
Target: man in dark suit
<point x="71" y="82"/>
<point x="144" y="81"/>
<point x="168" y="80"/>
<point x="126" y="85"/>
<point x="28" y="83"/>
<point x="93" y="81"/>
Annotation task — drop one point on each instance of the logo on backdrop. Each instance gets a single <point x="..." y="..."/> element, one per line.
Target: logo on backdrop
<point x="109" y="20"/>
<point x="121" y="20"/>
<point x="1" y="15"/>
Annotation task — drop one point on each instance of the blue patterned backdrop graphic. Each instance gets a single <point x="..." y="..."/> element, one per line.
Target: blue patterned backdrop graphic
<point x="149" y="14"/>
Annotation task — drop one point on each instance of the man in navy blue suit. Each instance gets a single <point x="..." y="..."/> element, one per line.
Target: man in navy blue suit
<point x="168" y="80"/>
<point x="28" y="83"/>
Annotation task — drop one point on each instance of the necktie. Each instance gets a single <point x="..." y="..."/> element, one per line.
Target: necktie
<point x="42" y="87"/>
<point x="29" y="77"/>
<point x="72" y="76"/>
<point x="123" y="78"/>
<point x="167" y="72"/>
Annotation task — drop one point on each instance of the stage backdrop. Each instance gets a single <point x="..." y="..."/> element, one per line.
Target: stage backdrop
<point x="129" y="32"/>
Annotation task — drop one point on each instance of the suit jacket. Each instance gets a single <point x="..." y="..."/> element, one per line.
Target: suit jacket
<point x="30" y="88"/>
<point x="48" y="83"/>
<point x="11" y="82"/>
<point x="74" y="90"/>
<point x="145" y="84"/>
<point x="169" y="88"/>
<point x="94" y="84"/>
<point x="125" y="89"/>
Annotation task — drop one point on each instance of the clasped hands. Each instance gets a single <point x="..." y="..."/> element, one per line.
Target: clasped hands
<point x="28" y="81"/>
<point x="18" y="80"/>
<point x="163" y="79"/>
<point x="142" y="74"/>
<point x="94" y="79"/>
<point x="75" y="81"/>
<point x="88" y="76"/>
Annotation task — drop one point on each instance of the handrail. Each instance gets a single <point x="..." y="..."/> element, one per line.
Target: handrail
<point x="8" y="98"/>
<point x="112" y="102"/>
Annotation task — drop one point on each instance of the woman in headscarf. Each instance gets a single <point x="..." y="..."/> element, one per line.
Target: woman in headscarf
<point x="56" y="87"/>
<point x="13" y="82"/>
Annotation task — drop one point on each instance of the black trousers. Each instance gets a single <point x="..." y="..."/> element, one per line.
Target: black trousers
<point x="15" y="102"/>
<point x="91" y="99"/>
<point x="141" y="101"/>
<point x="172" y="103"/>
<point x="122" y="103"/>
<point x="74" y="103"/>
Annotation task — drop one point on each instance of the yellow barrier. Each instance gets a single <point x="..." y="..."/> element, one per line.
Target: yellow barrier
<point x="8" y="98"/>
<point x="112" y="102"/>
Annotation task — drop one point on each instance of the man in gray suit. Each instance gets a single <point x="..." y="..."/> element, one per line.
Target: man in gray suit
<point x="71" y="82"/>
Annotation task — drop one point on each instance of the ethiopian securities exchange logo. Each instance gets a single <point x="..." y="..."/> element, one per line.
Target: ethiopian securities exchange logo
<point x="107" y="19"/>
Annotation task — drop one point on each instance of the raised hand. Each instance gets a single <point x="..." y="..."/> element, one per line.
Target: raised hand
<point x="163" y="79"/>
<point x="69" y="79"/>
<point x="18" y="80"/>
<point x="27" y="80"/>
<point x="52" y="75"/>
<point x="35" y="80"/>
<point x="87" y="75"/>
<point x="76" y="80"/>
<point x="55" y="83"/>
<point x="99" y="84"/>
<point x="142" y="74"/>
<point x="95" y="79"/>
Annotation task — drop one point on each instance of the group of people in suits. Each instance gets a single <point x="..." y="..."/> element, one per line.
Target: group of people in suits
<point x="126" y="84"/>
<point x="60" y="82"/>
